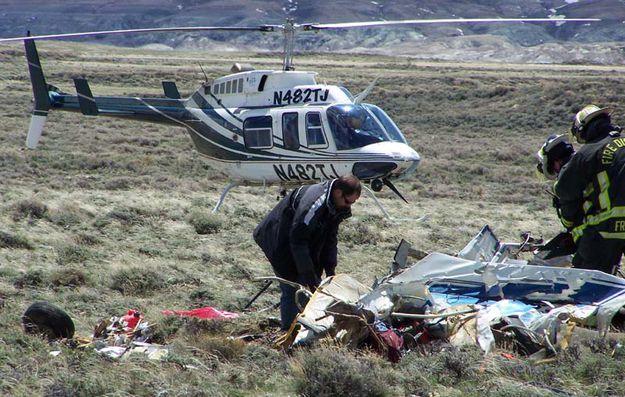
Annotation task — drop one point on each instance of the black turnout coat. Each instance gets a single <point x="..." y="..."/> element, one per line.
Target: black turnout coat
<point x="591" y="188"/>
<point x="299" y="236"/>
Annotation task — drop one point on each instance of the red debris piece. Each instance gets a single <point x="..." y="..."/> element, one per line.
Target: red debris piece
<point x="394" y="343"/>
<point x="132" y="318"/>
<point x="203" y="313"/>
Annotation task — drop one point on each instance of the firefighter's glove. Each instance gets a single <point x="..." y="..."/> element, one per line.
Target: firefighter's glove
<point x="310" y="280"/>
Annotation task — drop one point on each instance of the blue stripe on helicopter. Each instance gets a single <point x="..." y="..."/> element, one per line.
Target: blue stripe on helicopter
<point x="213" y="115"/>
<point x="589" y="293"/>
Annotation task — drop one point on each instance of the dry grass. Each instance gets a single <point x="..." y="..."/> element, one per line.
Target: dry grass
<point x="109" y="215"/>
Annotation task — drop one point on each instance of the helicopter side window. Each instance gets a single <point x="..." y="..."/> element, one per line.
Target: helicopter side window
<point x="314" y="130"/>
<point x="216" y="89"/>
<point x="228" y="87"/>
<point x="257" y="132"/>
<point x="240" y="85"/>
<point x="222" y="88"/>
<point x="290" y="131"/>
<point x="234" y="86"/>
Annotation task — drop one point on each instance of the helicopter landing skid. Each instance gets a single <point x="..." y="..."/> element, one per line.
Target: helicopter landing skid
<point x="223" y="195"/>
<point x="372" y="195"/>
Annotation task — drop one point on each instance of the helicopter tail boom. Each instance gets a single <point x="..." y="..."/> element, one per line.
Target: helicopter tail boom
<point x="40" y="92"/>
<point x="169" y="110"/>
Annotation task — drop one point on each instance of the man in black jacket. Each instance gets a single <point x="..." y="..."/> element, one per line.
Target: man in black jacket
<point x="591" y="191"/>
<point x="299" y="236"/>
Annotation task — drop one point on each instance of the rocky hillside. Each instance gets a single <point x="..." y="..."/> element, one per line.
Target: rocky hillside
<point x="568" y="42"/>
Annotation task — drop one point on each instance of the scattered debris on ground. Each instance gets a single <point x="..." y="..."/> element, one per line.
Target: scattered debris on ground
<point x="483" y="295"/>
<point x="203" y="313"/>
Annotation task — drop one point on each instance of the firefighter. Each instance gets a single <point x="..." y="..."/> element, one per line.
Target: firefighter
<point x="591" y="191"/>
<point x="552" y="156"/>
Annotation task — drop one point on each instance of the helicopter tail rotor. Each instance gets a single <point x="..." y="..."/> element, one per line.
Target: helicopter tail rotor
<point x="40" y="92"/>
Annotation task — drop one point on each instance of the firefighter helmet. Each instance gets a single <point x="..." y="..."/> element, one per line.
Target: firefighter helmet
<point x="555" y="148"/>
<point x="583" y="117"/>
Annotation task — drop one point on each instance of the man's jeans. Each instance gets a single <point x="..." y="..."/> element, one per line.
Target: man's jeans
<point x="288" y="308"/>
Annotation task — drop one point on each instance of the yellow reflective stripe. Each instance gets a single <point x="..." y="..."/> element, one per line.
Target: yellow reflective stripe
<point x="587" y="206"/>
<point x="577" y="232"/>
<point x="611" y="235"/>
<point x="604" y="180"/>
<point x="616" y="212"/>
<point x="604" y="200"/>
<point x="604" y="185"/>
<point x="590" y="189"/>
<point x="566" y="223"/>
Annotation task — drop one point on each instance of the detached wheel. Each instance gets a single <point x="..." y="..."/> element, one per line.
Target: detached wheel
<point x="44" y="318"/>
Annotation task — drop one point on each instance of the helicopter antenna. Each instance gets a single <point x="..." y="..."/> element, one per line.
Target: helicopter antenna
<point x="205" y="76"/>
<point x="289" y="42"/>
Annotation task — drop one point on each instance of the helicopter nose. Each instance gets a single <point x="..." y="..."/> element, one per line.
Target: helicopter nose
<point x="401" y="160"/>
<point x="407" y="161"/>
<point x="406" y="158"/>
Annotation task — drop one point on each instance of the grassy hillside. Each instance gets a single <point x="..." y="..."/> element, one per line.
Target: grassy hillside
<point x="105" y="215"/>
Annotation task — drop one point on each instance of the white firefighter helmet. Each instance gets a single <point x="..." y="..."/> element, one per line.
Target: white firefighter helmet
<point x="585" y="116"/>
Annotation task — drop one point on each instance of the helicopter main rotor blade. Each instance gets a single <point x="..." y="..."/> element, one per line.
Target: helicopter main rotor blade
<point x="305" y="27"/>
<point x="262" y="28"/>
<point x="347" y="25"/>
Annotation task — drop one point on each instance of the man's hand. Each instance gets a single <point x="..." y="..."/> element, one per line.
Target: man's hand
<point x="309" y="280"/>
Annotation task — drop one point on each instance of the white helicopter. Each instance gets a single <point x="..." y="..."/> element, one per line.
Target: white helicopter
<point x="261" y="126"/>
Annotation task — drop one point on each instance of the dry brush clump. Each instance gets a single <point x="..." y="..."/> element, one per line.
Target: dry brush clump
<point x="327" y="372"/>
<point x="70" y="277"/>
<point x="14" y="240"/>
<point x="32" y="278"/>
<point x="72" y="254"/>
<point x="29" y="209"/>
<point x="68" y="215"/>
<point x="205" y="223"/>
<point x="137" y="281"/>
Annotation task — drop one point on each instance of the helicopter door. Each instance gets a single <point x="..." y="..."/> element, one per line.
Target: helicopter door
<point x="290" y="130"/>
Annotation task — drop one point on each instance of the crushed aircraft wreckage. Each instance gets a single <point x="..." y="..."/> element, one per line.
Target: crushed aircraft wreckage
<point x="482" y="295"/>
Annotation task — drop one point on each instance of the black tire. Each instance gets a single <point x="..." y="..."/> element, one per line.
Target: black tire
<point x="46" y="319"/>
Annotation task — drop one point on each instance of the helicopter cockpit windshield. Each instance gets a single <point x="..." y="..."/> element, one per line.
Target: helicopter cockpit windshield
<point x="355" y="126"/>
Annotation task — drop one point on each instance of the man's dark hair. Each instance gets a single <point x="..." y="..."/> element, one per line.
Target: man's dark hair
<point x="348" y="184"/>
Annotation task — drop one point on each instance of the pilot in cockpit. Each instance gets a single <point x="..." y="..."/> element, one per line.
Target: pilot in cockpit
<point x="349" y="128"/>
<point x="354" y="124"/>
